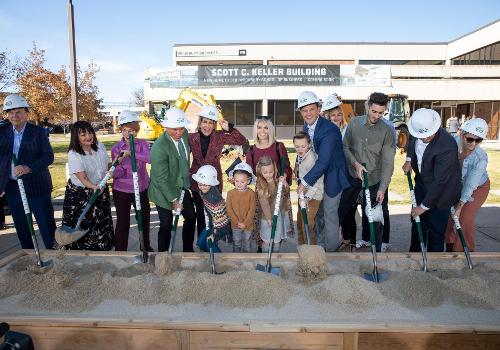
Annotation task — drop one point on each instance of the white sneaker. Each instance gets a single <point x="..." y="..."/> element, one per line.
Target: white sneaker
<point x="385" y="247"/>
<point x="360" y="243"/>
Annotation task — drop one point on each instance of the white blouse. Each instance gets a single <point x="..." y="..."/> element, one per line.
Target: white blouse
<point x="94" y="164"/>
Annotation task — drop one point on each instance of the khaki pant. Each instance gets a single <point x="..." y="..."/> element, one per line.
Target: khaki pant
<point x="467" y="220"/>
<point x="312" y="209"/>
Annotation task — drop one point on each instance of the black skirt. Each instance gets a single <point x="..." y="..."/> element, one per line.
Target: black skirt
<point x="98" y="221"/>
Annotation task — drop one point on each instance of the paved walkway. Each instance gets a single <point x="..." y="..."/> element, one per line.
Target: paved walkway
<point x="487" y="237"/>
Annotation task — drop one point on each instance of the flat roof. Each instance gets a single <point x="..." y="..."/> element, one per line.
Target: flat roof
<point x="340" y="42"/>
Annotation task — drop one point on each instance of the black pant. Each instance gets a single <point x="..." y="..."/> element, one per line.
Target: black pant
<point x="200" y="215"/>
<point x="387" y="222"/>
<point x="348" y="201"/>
<point x="433" y="222"/>
<point x="2" y="212"/>
<point x="166" y="223"/>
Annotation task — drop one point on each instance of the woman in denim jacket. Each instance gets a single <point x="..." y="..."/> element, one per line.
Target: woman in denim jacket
<point x="476" y="184"/>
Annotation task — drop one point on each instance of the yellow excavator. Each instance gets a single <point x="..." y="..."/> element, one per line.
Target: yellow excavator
<point x="189" y="100"/>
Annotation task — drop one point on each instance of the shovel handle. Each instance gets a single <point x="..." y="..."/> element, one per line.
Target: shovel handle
<point x="458" y="227"/>
<point x="368" y="207"/>
<point x="423" y="249"/>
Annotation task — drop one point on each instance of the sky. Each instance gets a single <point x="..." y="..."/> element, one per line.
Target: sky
<point x="125" y="37"/>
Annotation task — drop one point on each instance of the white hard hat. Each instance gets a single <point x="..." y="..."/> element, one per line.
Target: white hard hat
<point x="476" y="126"/>
<point x="127" y="116"/>
<point x="330" y="102"/>
<point x="14" y="101"/>
<point x="209" y="112"/>
<point x="424" y="123"/>
<point x="243" y="167"/>
<point x="174" y="118"/>
<point x="377" y="213"/>
<point x="206" y="175"/>
<point x="306" y="98"/>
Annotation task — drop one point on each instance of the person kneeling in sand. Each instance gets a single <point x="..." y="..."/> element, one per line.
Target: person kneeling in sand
<point x="214" y="207"/>
<point x="241" y="207"/>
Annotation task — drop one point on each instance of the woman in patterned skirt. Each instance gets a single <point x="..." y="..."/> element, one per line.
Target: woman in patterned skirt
<point x="87" y="165"/>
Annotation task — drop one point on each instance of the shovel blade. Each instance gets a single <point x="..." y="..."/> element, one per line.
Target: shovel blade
<point x="274" y="269"/>
<point x="372" y="276"/>
<point x="139" y="259"/>
<point x="67" y="235"/>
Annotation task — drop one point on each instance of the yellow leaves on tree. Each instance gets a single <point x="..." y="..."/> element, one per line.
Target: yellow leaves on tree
<point x="49" y="93"/>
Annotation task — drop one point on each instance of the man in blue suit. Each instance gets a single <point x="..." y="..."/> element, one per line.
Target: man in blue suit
<point x="31" y="146"/>
<point x="327" y="143"/>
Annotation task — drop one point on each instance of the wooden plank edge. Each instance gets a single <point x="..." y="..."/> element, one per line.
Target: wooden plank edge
<point x="16" y="255"/>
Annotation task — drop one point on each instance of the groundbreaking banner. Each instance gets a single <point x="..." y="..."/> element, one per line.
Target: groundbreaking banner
<point x="260" y="75"/>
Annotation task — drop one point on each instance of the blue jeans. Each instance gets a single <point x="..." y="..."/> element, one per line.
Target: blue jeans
<point x="40" y="206"/>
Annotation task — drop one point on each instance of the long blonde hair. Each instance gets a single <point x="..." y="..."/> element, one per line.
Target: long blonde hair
<point x="262" y="185"/>
<point x="270" y="127"/>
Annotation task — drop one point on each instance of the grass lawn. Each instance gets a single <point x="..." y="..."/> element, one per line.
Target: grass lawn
<point x="399" y="183"/>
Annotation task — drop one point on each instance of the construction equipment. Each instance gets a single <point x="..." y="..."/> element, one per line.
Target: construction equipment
<point x="423" y="249"/>
<point x="189" y="101"/>
<point x="398" y="112"/>
<point x="458" y="227"/>
<point x="268" y="268"/>
<point x="66" y="235"/>
<point x="375" y="276"/>
<point x="39" y="262"/>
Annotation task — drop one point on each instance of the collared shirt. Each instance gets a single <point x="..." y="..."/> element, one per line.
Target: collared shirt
<point x="18" y="137"/>
<point x="420" y="147"/>
<point x="372" y="145"/>
<point x="182" y="151"/>
<point x="310" y="131"/>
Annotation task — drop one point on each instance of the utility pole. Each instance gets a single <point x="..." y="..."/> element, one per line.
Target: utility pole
<point x="72" y="58"/>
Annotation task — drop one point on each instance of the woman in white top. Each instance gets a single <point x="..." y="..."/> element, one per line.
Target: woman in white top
<point x="87" y="166"/>
<point x="475" y="183"/>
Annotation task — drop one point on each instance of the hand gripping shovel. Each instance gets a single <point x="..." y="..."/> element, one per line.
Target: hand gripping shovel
<point x="268" y="268"/>
<point x="303" y="211"/>
<point x="458" y="227"/>
<point x="39" y="262"/>
<point x="375" y="276"/>
<point x="174" y="227"/>
<point x="66" y="235"/>
<point x="423" y="249"/>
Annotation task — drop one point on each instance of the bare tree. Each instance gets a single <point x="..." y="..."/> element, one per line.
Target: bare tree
<point x="138" y="97"/>
<point x="8" y="71"/>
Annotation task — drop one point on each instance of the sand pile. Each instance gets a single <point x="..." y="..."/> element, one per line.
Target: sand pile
<point x="165" y="264"/>
<point x="312" y="262"/>
<point x="81" y="284"/>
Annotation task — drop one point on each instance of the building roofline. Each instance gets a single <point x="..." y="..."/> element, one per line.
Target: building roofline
<point x="340" y="42"/>
<point x="476" y="30"/>
<point x="314" y="43"/>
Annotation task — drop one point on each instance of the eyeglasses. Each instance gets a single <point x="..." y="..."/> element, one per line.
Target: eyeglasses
<point x="471" y="140"/>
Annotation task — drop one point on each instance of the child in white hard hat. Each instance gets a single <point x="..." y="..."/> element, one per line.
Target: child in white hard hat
<point x="214" y="207"/>
<point x="241" y="207"/>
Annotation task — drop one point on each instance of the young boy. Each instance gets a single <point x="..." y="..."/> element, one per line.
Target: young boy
<point x="306" y="158"/>
<point x="214" y="207"/>
<point x="241" y="202"/>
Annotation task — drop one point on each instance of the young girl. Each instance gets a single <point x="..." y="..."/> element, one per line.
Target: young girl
<point x="214" y="206"/>
<point x="241" y="207"/>
<point x="267" y="184"/>
<point x="123" y="185"/>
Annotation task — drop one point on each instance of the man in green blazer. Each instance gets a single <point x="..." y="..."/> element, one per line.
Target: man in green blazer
<point x="169" y="176"/>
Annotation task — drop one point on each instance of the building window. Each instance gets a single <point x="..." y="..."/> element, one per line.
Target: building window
<point x="240" y="113"/>
<point x="402" y="62"/>
<point x="485" y="55"/>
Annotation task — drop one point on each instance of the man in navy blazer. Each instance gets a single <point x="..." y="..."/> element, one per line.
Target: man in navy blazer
<point x="31" y="146"/>
<point x="327" y="143"/>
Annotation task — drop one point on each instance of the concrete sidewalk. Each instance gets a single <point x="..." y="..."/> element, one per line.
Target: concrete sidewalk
<point x="487" y="236"/>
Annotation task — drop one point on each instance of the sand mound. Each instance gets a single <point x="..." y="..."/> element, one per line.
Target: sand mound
<point x="312" y="262"/>
<point x="165" y="264"/>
